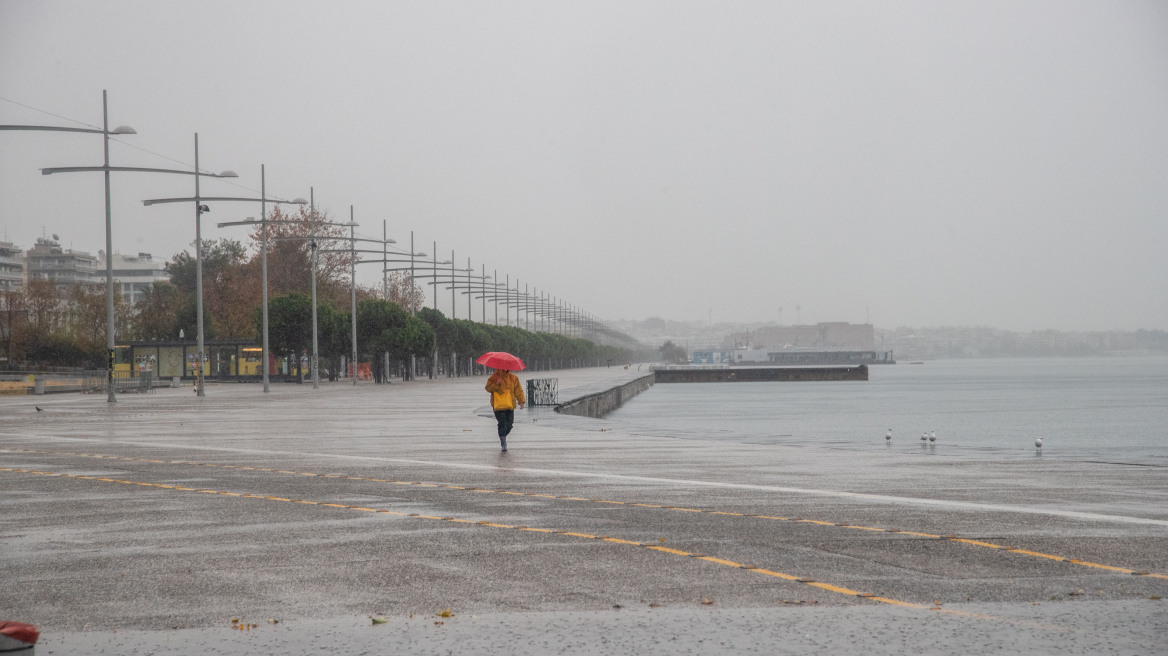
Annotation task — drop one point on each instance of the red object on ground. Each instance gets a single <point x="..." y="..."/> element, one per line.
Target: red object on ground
<point x="17" y="635"/>
<point x="501" y="360"/>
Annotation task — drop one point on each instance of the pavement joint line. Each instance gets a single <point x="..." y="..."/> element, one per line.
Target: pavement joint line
<point x="949" y="538"/>
<point x="645" y="545"/>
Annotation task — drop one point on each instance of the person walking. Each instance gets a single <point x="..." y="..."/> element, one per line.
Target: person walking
<point x="506" y="391"/>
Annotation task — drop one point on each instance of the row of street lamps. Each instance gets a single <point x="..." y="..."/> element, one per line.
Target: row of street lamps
<point x="578" y="323"/>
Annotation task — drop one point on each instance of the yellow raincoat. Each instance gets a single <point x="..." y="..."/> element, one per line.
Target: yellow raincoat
<point x="506" y="390"/>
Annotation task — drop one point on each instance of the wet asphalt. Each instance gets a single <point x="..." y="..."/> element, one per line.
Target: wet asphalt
<point x="385" y="519"/>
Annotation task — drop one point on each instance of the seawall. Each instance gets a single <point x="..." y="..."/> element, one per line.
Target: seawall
<point x="759" y="374"/>
<point x="598" y="404"/>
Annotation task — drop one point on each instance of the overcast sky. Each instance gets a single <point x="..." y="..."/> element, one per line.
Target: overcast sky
<point x="906" y="163"/>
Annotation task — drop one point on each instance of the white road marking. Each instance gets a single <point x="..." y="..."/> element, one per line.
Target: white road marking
<point x="858" y="496"/>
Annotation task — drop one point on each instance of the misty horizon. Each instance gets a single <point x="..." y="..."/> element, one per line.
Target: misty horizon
<point x="900" y="164"/>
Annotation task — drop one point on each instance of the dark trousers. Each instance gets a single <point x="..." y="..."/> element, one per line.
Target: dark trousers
<point x="506" y="419"/>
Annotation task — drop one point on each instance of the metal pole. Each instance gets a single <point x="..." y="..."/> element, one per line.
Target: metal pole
<point x="264" y="247"/>
<point x="413" y="303"/>
<point x="385" y="284"/>
<point x="484" y="267"/>
<point x="315" y="342"/>
<point x="508" y="297"/>
<point x="198" y="276"/>
<point x="495" y="294"/>
<point x="353" y="289"/>
<point x="434" y="360"/>
<point x="469" y="316"/>
<point x="526" y="313"/>
<point x="453" y="312"/>
<point x="109" y="261"/>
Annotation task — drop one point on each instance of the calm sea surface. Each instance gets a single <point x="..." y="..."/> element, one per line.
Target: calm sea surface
<point x="1113" y="409"/>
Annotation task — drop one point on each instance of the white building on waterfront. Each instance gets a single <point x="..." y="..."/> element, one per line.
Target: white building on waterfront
<point x="135" y="274"/>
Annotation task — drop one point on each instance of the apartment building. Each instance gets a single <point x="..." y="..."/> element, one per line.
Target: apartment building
<point x="46" y="260"/>
<point x="11" y="267"/>
<point x="135" y="274"/>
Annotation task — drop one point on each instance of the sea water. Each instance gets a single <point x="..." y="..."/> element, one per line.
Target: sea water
<point x="1113" y="409"/>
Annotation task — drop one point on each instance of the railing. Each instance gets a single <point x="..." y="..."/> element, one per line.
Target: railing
<point x="86" y="381"/>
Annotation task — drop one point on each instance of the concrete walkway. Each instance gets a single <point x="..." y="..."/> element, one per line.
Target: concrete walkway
<point x="150" y="525"/>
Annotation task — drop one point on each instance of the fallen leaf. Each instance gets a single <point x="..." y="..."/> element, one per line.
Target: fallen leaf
<point x="654" y="605"/>
<point x="617" y="606"/>
<point x="707" y="602"/>
<point x="439" y="623"/>
<point x="445" y="613"/>
<point x="379" y="620"/>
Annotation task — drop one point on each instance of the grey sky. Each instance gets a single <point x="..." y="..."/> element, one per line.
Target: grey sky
<point x="911" y="163"/>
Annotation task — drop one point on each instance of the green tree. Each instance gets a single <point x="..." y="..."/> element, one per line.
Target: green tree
<point x="157" y="312"/>
<point x="673" y="354"/>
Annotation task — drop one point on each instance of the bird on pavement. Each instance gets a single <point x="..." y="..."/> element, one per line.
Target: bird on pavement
<point x="888" y="436"/>
<point x="1038" y="443"/>
<point x="933" y="436"/>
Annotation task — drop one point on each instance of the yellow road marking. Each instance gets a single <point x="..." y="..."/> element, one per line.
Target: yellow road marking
<point x="719" y="561"/>
<point x="951" y="538"/>
<point x="1097" y="565"/>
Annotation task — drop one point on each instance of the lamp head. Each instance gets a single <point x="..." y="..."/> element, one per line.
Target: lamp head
<point x="228" y="174"/>
<point x="123" y="129"/>
<point x="420" y="255"/>
<point x="203" y="209"/>
<point x="299" y="201"/>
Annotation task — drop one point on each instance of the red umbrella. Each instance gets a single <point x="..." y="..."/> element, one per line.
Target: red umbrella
<point x="501" y="360"/>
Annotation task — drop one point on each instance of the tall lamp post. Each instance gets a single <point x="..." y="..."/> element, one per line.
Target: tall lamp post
<point x="200" y="209"/>
<point x="109" y="257"/>
<point x="109" y="262"/>
<point x="315" y="250"/>
<point x="263" y="200"/>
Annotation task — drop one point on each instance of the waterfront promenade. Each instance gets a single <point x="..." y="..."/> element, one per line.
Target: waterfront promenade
<point x="151" y="524"/>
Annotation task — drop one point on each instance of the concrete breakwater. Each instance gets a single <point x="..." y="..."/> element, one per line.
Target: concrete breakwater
<point x="759" y="374"/>
<point x="599" y="403"/>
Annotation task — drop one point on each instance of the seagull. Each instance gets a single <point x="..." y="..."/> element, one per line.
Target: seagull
<point x="39" y="409"/>
<point x="1038" y="443"/>
<point x="888" y="436"/>
<point x="933" y="436"/>
<point x="924" y="436"/>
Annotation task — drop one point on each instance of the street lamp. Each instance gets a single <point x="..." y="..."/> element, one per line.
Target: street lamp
<point x="200" y="209"/>
<point x="312" y="245"/>
<point x="263" y="223"/>
<point x="109" y="256"/>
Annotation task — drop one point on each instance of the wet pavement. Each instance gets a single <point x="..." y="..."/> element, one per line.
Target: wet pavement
<point x="150" y="525"/>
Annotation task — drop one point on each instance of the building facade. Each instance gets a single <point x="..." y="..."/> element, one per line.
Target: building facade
<point x="11" y="267"/>
<point x="46" y="260"/>
<point x="135" y="274"/>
